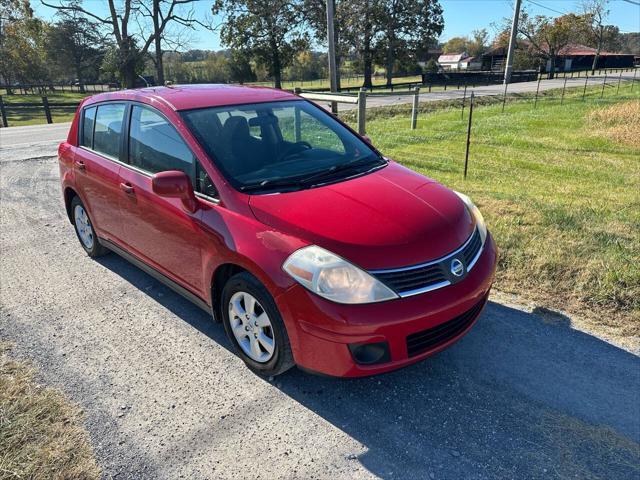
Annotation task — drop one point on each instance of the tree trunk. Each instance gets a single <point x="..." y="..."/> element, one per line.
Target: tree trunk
<point x="390" y="60"/>
<point x="368" y="69"/>
<point x="552" y="66"/>
<point x="158" y="43"/>
<point x="597" y="55"/>
<point x="277" y="68"/>
<point x="338" y="63"/>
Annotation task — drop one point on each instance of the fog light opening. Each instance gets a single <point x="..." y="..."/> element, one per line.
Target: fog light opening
<point x="370" y="353"/>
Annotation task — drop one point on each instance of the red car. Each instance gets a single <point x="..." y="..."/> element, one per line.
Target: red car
<point x="288" y="227"/>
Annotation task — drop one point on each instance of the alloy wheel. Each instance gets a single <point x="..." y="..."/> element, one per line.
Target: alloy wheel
<point x="251" y="327"/>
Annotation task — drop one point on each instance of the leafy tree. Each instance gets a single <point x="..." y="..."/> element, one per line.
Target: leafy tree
<point x="595" y="30"/>
<point x="270" y="31"/>
<point x="22" y="37"/>
<point x="315" y="11"/>
<point x="74" y="45"/>
<point x="363" y="31"/>
<point x="456" y="45"/>
<point x="475" y="45"/>
<point x="548" y="36"/>
<point x="407" y="25"/>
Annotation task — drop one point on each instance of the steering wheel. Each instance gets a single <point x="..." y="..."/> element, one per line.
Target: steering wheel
<point x="295" y="148"/>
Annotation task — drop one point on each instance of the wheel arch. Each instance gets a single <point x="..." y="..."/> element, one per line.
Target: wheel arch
<point x="221" y="275"/>
<point x="69" y="194"/>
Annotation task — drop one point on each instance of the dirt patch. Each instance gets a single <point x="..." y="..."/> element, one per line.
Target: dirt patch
<point x="620" y="122"/>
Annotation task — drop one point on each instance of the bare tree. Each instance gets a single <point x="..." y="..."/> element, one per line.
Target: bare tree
<point x="122" y="21"/>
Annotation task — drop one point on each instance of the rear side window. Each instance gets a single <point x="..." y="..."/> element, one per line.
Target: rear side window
<point x="155" y="145"/>
<point x="88" y="121"/>
<point x="108" y="129"/>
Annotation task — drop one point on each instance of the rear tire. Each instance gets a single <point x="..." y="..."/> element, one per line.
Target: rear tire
<point x="84" y="230"/>
<point x="254" y="326"/>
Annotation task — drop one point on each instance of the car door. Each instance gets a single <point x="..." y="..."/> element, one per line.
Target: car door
<point x="157" y="229"/>
<point x="97" y="167"/>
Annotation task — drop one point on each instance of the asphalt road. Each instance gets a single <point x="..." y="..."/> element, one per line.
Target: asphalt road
<point x="521" y="396"/>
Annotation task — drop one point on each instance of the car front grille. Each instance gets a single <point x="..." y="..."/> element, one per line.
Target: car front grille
<point x="431" y="338"/>
<point x="412" y="280"/>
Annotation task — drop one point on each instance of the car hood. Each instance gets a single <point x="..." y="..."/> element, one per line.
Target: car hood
<point x="391" y="218"/>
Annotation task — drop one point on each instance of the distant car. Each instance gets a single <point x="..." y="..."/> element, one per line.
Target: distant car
<point x="287" y="226"/>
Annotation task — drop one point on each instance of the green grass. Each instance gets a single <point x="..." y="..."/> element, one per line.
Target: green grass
<point x="560" y="195"/>
<point x="41" y="436"/>
<point x="35" y="116"/>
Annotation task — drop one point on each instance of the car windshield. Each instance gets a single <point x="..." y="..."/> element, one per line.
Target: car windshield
<point x="280" y="146"/>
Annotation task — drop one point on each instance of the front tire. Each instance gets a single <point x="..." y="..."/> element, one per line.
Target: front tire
<point x="84" y="230"/>
<point x="254" y="326"/>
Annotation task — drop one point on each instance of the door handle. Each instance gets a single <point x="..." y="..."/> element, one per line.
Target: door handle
<point x="126" y="188"/>
<point x="80" y="164"/>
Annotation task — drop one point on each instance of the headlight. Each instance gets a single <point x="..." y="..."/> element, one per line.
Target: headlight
<point x="334" y="278"/>
<point x="473" y="210"/>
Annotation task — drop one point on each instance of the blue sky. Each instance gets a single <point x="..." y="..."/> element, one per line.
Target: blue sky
<point x="461" y="16"/>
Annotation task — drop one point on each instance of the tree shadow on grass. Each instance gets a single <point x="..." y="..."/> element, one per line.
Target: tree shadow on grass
<point x="518" y="397"/>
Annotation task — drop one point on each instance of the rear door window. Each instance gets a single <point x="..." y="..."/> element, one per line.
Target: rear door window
<point x="108" y="129"/>
<point x="88" y="120"/>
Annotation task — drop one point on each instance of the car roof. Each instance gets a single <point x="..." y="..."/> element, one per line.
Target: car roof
<point x="187" y="97"/>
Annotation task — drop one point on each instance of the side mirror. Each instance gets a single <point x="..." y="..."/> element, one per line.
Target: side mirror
<point x="175" y="184"/>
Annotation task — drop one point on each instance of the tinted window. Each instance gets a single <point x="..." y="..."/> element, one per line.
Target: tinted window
<point x="155" y="146"/>
<point x="87" y="127"/>
<point x="108" y="129"/>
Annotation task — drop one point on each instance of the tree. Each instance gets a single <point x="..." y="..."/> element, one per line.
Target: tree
<point x="161" y="14"/>
<point x="475" y="45"/>
<point x="123" y="22"/>
<point x="74" y="45"/>
<point x="548" y="36"/>
<point x="595" y="14"/>
<point x="456" y="45"/>
<point x="363" y="31"/>
<point x="315" y="11"/>
<point x="21" y="44"/>
<point x="407" y="25"/>
<point x="270" y="31"/>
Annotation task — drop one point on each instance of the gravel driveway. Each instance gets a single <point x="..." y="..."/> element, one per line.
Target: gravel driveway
<point x="521" y="396"/>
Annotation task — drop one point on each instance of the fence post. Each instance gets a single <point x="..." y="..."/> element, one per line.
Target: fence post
<point x="362" y="110"/>
<point x="633" y="80"/>
<point x="584" y="91"/>
<point x="47" y="110"/>
<point x="619" y="80"/>
<point x="563" y="89"/>
<point x="414" y="111"/>
<point x="3" y="113"/>
<point x="464" y="98"/>
<point x="466" y="155"/>
<point x="535" y="103"/>
<point x="604" y="84"/>
<point x="504" y="96"/>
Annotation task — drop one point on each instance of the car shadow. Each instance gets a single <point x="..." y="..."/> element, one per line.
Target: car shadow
<point x="523" y="395"/>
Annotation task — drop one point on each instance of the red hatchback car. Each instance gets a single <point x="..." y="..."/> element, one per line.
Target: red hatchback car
<point x="288" y="227"/>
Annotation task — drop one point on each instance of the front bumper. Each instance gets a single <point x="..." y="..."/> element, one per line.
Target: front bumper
<point x="321" y="331"/>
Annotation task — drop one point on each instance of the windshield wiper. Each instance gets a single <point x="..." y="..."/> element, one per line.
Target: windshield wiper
<point x="330" y="172"/>
<point x="275" y="182"/>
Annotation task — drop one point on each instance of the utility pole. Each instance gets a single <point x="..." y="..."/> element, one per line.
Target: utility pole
<point x="331" y="41"/>
<point x="512" y="42"/>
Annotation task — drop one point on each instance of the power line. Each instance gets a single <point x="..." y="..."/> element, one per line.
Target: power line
<point x="548" y="8"/>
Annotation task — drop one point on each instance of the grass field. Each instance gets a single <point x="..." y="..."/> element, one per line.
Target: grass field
<point x="559" y="187"/>
<point x="40" y="431"/>
<point x="36" y="115"/>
